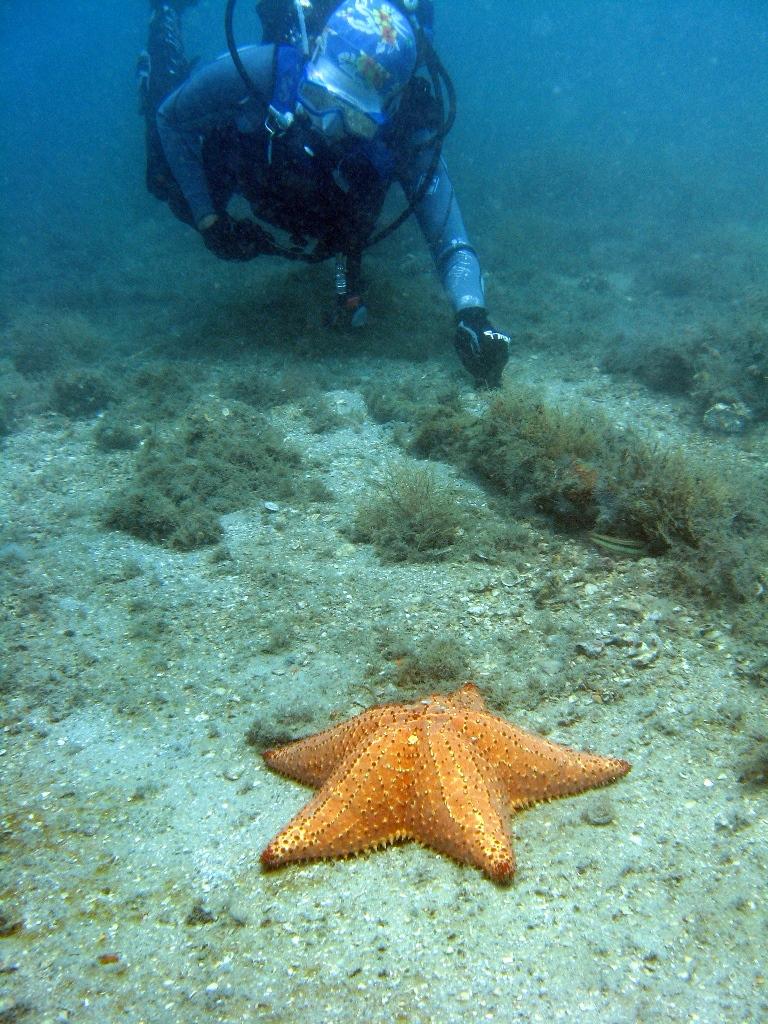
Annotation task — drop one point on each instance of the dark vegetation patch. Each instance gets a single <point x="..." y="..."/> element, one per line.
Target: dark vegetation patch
<point x="116" y="433"/>
<point x="676" y="276"/>
<point x="408" y="401"/>
<point x="157" y="392"/>
<point x="81" y="393"/>
<point x="419" y="666"/>
<point x="410" y="515"/>
<point x="732" y="367"/>
<point x="274" y="731"/>
<point x="322" y="415"/>
<point x="18" y="397"/>
<point x="265" y="387"/>
<point x="268" y="385"/>
<point x="162" y="389"/>
<point x="42" y="342"/>
<point x="216" y="459"/>
<point x="723" y="367"/>
<point x="574" y="467"/>
<point x="752" y="765"/>
<point x="661" y="367"/>
<point x="64" y="362"/>
<point x="52" y="361"/>
<point x="290" y="316"/>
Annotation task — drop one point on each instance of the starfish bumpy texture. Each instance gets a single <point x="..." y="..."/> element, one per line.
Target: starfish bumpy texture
<point x="443" y="771"/>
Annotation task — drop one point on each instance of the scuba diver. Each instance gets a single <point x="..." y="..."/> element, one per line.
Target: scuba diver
<point x="312" y="127"/>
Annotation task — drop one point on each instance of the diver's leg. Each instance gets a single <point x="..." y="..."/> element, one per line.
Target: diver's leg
<point x="164" y="63"/>
<point x="161" y="68"/>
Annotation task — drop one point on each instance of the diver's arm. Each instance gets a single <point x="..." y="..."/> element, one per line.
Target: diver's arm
<point x="443" y="227"/>
<point x="213" y="97"/>
<point x="483" y="350"/>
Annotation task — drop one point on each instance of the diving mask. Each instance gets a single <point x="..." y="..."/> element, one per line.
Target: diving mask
<point x="333" y="114"/>
<point x="362" y="61"/>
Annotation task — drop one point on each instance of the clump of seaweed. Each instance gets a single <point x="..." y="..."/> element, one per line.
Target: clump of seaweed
<point x="409" y="399"/>
<point x="574" y="466"/>
<point x="322" y="415"/>
<point x="725" y="364"/>
<point x="162" y="389"/>
<point x="669" y="368"/>
<point x="266" y="386"/>
<point x="409" y="515"/>
<point x="43" y="341"/>
<point x="81" y="393"/>
<point x="51" y="364"/>
<point x="436" y="662"/>
<point x="18" y="397"/>
<point x="116" y="433"/>
<point x="732" y="367"/>
<point x="218" y="459"/>
<point x="752" y="765"/>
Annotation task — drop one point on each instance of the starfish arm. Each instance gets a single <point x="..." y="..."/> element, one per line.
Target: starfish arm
<point x="468" y="696"/>
<point x="458" y="808"/>
<point x="531" y="768"/>
<point x="362" y="805"/>
<point x="315" y="758"/>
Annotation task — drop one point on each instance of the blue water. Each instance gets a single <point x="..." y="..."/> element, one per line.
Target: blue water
<point x="680" y="89"/>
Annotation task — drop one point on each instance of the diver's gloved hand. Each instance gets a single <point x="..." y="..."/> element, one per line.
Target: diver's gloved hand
<point x="233" y="239"/>
<point x="483" y="350"/>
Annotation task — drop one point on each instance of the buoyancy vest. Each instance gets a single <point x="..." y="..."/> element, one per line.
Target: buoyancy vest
<point x="296" y="181"/>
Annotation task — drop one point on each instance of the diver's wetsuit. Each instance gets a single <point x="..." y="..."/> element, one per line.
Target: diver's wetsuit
<point x="216" y="145"/>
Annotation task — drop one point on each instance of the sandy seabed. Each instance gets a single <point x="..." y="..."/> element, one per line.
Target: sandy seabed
<point x="134" y="811"/>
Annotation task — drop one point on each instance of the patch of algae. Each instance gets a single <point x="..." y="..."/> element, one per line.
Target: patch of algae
<point x="216" y="459"/>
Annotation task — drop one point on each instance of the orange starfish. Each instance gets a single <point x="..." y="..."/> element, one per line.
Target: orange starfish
<point x="443" y="771"/>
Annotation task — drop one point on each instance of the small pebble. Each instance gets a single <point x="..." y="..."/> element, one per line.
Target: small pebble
<point x="645" y="656"/>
